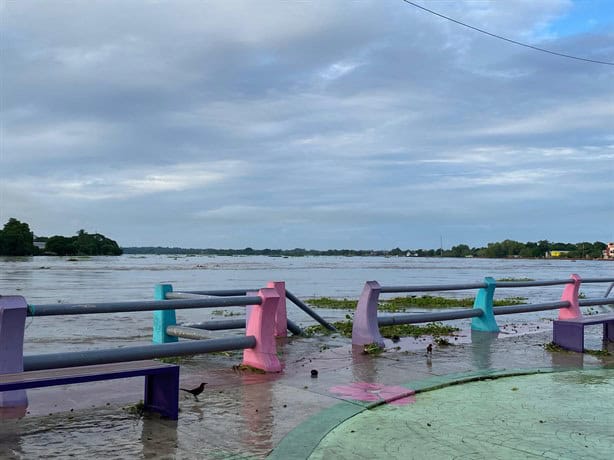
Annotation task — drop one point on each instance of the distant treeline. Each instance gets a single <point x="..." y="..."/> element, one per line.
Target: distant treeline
<point x="503" y="249"/>
<point x="16" y="239"/>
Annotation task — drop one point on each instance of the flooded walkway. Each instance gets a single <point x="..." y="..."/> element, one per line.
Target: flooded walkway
<point x="242" y="414"/>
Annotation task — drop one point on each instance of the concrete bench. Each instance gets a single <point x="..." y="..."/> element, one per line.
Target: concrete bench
<point x="569" y="333"/>
<point x="161" y="381"/>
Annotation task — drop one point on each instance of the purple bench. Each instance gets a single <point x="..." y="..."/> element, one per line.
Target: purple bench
<point x="161" y="381"/>
<point x="569" y="333"/>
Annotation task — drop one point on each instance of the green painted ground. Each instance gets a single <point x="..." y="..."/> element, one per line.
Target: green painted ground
<point x="562" y="415"/>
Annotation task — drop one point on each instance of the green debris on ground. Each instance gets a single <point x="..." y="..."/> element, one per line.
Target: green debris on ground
<point x="137" y="409"/>
<point x="551" y="346"/>
<point x="372" y="349"/>
<point x="176" y="359"/>
<point x="401" y="304"/>
<point x="400" y="330"/>
<point x="597" y="352"/>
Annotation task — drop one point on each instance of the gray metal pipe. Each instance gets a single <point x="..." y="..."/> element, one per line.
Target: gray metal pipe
<point x="597" y="280"/>
<point x="593" y="302"/>
<point x="299" y="303"/>
<point x="148" y="305"/>
<point x="217" y="325"/>
<point x="223" y="324"/>
<point x="185" y="332"/>
<point x="512" y="284"/>
<point x="116" y="355"/>
<point x="432" y="287"/>
<point x="428" y="317"/>
<point x="223" y="292"/>
<point x="511" y="309"/>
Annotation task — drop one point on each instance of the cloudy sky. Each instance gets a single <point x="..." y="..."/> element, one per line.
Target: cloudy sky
<point x="316" y="124"/>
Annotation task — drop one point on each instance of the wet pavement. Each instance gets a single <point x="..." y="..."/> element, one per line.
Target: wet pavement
<point x="243" y="414"/>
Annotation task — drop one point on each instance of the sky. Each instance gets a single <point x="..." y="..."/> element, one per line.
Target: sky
<point x="311" y="124"/>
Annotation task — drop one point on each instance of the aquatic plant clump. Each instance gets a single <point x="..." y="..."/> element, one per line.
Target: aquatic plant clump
<point x="401" y="304"/>
<point x="398" y="330"/>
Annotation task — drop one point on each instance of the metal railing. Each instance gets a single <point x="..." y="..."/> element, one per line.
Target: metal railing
<point x="367" y="321"/>
<point x="160" y="350"/>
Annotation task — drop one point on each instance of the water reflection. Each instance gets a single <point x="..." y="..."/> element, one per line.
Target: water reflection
<point x="481" y="348"/>
<point x="257" y="415"/>
<point x="155" y="445"/>
<point x="10" y="440"/>
<point x="363" y="365"/>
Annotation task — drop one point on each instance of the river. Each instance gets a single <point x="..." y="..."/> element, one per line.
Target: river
<point x="44" y="280"/>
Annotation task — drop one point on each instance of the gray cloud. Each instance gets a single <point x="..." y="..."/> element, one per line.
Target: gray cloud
<point x="327" y="124"/>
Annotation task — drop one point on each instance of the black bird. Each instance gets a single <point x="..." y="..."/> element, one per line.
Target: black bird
<point x="195" y="391"/>
<point x="429" y="349"/>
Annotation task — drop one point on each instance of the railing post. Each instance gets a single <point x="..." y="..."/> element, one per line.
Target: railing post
<point x="260" y="324"/>
<point x="484" y="301"/>
<point x="163" y="318"/>
<point x="12" y="326"/>
<point x="281" y="315"/>
<point x="570" y="294"/>
<point x="365" y="329"/>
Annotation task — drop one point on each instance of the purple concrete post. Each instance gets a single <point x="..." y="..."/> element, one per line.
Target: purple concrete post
<point x="12" y="325"/>
<point x="281" y="316"/>
<point x="261" y="324"/>
<point x="365" y="329"/>
<point x="570" y="294"/>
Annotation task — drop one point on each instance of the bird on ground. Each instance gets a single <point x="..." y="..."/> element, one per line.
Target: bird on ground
<point x="195" y="391"/>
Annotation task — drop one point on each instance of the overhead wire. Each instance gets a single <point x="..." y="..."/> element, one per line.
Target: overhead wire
<point x="536" y="48"/>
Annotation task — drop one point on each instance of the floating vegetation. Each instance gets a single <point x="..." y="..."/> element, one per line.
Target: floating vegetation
<point x="442" y="342"/>
<point x="401" y="304"/>
<point x="390" y="332"/>
<point x="333" y="304"/>
<point x="227" y="313"/>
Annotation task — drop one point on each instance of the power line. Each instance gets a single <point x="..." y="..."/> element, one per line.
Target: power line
<point x="569" y="56"/>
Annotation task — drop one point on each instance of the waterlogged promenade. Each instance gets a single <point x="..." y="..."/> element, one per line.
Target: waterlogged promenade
<point x="243" y="414"/>
<point x="549" y="399"/>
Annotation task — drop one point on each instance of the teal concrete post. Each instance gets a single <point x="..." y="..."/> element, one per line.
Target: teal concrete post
<point x="163" y="318"/>
<point x="484" y="301"/>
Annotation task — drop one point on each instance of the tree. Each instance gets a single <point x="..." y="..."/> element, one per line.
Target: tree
<point x="461" y="250"/>
<point x="16" y="239"/>
<point x="60" y="245"/>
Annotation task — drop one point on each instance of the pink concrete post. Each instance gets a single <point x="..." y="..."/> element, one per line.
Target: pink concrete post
<point x="281" y="316"/>
<point x="261" y="324"/>
<point x="365" y="329"/>
<point x="570" y="294"/>
<point x="12" y="325"/>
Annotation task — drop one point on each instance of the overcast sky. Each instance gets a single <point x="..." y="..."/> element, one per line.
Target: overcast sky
<point x="315" y="124"/>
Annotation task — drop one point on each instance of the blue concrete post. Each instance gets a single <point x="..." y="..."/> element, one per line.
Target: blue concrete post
<point x="484" y="301"/>
<point x="163" y="318"/>
<point x="12" y="326"/>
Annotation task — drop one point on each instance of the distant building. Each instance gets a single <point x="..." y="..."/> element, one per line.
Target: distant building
<point x="608" y="252"/>
<point x="558" y="253"/>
